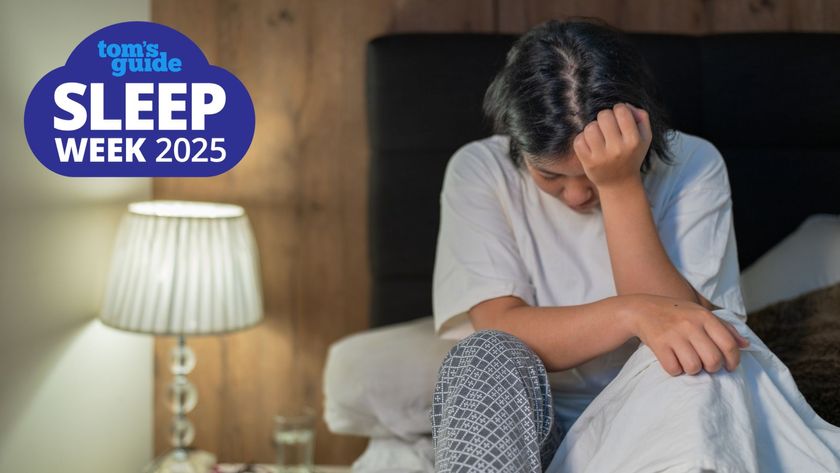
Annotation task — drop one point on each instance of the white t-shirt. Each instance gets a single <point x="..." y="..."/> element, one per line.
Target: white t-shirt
<point x="501" y="235"/>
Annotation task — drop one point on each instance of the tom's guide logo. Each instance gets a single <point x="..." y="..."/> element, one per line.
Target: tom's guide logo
<point x="139" y="99"/>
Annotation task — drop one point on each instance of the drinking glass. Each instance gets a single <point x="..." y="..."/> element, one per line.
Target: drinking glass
<point x="294" y="440"/>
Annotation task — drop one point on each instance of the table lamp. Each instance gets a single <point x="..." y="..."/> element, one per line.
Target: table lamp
<point x="183" y="268"/>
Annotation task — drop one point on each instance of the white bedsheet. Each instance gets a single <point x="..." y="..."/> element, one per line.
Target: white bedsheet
<point x="753" y="419"/>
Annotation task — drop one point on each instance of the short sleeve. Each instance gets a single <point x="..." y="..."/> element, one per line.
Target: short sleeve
<point x="476" y="257"/>
<point x="697" y="229"/>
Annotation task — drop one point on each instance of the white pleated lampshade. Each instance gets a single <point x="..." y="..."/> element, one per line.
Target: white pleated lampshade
<point x="183" y="268"/>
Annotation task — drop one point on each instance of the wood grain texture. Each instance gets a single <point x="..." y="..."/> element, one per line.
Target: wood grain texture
<point x="304" y="180"/>
<point x="679" y="16"/>
<point x="303" y="184"/>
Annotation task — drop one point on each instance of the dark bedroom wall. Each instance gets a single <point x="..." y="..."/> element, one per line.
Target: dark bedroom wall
<point x="303" y="182"/>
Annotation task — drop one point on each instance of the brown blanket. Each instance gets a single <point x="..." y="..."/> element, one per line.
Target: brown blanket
<point x="805" y="334"/>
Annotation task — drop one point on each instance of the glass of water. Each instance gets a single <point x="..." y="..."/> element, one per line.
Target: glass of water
<point x="294" y="440"/>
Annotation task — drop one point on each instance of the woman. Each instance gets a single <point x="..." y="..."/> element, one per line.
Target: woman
<point x="583" y="227"/>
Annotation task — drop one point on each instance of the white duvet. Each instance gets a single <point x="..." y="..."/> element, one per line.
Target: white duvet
<point x="645" y="420"/>
<point x="753" y="419"/>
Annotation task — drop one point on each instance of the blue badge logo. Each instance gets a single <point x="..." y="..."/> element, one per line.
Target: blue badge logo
<point x="139" y="99"/>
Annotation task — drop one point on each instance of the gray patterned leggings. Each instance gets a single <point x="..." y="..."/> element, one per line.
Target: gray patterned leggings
<point x="492" y="408"/>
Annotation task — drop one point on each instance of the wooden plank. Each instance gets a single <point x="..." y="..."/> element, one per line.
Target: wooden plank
<point x="815" y="15"/>
<point x="664" y="16"/>
<point x="757" y="15"/>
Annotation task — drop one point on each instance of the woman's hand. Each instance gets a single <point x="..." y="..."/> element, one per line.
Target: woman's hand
<point x="613" y="147"/>
<point x="684" y="336"/>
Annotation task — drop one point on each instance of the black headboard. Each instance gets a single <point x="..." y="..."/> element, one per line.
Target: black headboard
<point x="768" y="101"/>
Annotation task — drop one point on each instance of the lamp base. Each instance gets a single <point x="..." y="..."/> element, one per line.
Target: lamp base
<point x="183" y="460"/>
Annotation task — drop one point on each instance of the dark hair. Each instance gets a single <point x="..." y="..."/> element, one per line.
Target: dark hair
<point x="558" y="76"/>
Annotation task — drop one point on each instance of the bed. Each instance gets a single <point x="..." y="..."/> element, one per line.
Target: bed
<point x="768" y="101"/>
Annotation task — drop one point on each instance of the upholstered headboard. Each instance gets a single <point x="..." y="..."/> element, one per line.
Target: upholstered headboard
<point x="768" y="101"/>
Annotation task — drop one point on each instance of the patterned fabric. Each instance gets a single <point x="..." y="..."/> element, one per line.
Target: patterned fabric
<point x="492" y="408"/>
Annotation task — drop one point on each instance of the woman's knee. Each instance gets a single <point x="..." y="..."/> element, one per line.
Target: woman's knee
<point x="488" y="340"/>
<point x="492" y="346"/>
<point x="495" y="381"/>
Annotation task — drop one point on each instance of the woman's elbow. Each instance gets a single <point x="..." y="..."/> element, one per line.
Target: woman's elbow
<point x="489" y="314"/>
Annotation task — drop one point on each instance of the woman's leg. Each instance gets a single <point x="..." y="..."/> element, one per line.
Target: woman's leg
<point x="492" y="407"/>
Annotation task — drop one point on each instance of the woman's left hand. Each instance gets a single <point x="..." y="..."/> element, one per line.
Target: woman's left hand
<point x="612" y="147"/>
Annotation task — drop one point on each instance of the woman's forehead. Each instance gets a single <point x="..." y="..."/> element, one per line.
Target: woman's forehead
<point x="567" y="164"/>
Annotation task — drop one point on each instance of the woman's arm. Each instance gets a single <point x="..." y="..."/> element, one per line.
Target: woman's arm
<point x="567" y="336"/>
<point x="563" y="337"/>
<point x="639" y="262"/>
<point x="611" y="150"/>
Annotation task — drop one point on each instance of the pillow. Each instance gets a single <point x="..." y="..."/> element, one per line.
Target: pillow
<point x="806" y="260"/>
<point x="380" y="382"/>
<point x="393" y="455"/>
<point x="805" y="334"/>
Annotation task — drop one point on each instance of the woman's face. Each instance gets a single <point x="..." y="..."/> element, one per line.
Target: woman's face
<point x="564" y="179"/>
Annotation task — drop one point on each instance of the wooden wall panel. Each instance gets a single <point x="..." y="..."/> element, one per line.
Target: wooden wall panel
<point x="679" y="16"/>
<point x="304" y="180"/>
<point x="303" y="184"/>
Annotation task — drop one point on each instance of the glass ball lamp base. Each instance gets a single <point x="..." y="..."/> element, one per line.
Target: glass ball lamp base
<point x="182" y="397"/>
<point x="183" y="460"/>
